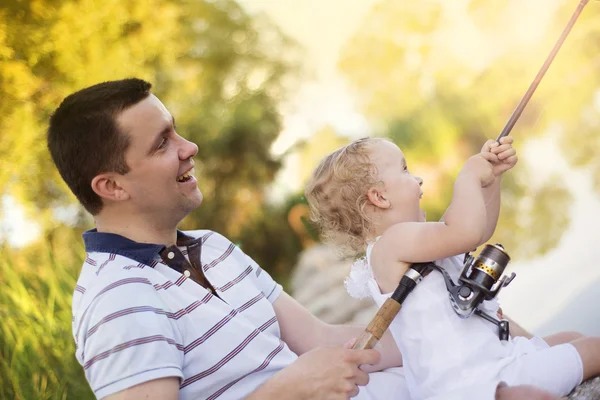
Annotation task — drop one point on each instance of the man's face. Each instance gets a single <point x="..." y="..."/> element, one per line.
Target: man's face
<point x="160" y="182"/>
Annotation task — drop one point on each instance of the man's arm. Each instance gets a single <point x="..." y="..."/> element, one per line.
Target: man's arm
<point x="322" y="373"/>
<point x="302" y="332"/>
<point x="158" y="389"/>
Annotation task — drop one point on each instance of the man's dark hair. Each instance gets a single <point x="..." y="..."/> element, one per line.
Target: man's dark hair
<point x="85" y="140"/>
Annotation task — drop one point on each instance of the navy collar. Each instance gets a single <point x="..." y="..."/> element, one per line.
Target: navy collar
<point x="145" y="253"/>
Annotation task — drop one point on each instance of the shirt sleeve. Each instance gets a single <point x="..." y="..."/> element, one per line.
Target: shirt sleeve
<point x="266" y="284"/>
<point x="260" y="277"/>
<point x="125" y="336"/>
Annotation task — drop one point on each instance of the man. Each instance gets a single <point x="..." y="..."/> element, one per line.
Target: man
<point x="164" y="314"/>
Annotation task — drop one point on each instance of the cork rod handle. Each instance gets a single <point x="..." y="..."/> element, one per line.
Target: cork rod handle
<point x="378" y="325"/>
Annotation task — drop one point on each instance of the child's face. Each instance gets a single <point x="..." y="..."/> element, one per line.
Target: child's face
<point x="400" y="188"/>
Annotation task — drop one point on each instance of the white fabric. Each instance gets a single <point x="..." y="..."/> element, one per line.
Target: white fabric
<point x="444" y="353"/>
<point x="391" y="384"/>
<point x="478" y="391"/>
<point x="133" y="323"/>
<point x="558" y="369"/>
<point x="385" y="385"/>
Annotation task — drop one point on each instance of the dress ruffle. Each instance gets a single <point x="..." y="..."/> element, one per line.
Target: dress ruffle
<point x="356" y="283"/>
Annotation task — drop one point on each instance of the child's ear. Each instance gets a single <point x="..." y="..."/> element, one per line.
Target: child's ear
<point x="378" y="198"/>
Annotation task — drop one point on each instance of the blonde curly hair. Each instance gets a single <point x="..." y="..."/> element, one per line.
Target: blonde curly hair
<point x="337" y="195"/>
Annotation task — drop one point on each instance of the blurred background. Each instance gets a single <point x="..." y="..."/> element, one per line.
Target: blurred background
<point x="268" y="87"/>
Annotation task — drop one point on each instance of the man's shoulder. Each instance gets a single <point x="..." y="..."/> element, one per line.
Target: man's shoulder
<point x="99" y="262"/>
<point x="210" y="238"/>
<point x="103" y="271"/>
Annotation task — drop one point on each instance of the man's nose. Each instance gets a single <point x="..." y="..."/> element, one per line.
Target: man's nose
<point x="187" y="150"/>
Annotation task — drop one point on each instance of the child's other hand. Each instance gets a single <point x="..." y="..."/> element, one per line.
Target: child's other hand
<point x="507" y="155"/>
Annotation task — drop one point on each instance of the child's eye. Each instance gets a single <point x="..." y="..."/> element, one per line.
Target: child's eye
<point x="163" y="143"/>
<point x="405" y="168"/>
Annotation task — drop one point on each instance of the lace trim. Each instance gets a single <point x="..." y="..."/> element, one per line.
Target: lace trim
<point x="356" y="283"/>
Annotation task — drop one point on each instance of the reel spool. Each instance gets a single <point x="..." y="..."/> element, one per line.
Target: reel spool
<point x="481" y="279"/>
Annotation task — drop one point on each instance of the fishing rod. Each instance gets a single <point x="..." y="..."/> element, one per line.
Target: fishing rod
<point x="538" y="78"/>
<point x="390" y="308"/>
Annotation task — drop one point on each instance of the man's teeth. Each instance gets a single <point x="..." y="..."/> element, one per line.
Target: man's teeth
<point x="184" y="176"/>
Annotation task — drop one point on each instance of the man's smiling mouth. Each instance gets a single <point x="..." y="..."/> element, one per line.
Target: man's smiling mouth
<point x="186" y="177"/>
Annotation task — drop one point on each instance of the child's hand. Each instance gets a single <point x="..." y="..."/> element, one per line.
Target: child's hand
<point x="481" y="166"/>
<point x="506" y="154"/>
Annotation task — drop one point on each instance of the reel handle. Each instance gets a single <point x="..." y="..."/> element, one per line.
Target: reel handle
<point x="503" y="325"/>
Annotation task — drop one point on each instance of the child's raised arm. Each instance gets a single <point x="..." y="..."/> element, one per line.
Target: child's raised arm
<point x="507" y="158"/>
<point x="463" y="226"/>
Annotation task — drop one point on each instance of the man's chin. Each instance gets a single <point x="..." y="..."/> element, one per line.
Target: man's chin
<point x="193" y="202"/>
<point x="197" y="200"/>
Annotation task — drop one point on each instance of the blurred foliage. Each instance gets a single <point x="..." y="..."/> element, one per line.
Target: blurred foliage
<point x="220" y="72"/>
<point x="439" y="78"/>
<point x="37" y="352"/>
<point x="209" y="65"/>
<point x="311" y="152"/>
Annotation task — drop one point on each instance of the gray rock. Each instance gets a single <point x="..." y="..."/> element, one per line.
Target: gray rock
<point x="589" y="390"/>
<point x="318" y="284"/>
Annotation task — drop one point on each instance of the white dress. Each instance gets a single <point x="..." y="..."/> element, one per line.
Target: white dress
<point x="443" y="353"/>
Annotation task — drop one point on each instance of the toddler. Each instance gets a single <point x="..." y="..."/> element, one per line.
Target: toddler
<point x="365" y="200"/>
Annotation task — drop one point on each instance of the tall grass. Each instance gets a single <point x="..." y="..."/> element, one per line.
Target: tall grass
<point x="36" y="346"/>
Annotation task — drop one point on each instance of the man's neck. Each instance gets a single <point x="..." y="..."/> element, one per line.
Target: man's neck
<point x="141" y="230"/>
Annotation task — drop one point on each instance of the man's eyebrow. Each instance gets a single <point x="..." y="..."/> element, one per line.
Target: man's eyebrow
<point x="158" y="137"/>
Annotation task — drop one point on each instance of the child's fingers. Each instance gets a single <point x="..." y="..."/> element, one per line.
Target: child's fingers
<point x="489" y="145"/>
<point x="499" y="148"/>
<point x="512" y="160"/>
<point x="490" y="157"/>
<point x="507" y="154"/>
<point x="493" y="146"/>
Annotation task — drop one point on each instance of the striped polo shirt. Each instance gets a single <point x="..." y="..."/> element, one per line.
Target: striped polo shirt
<point x="135" y="319"/>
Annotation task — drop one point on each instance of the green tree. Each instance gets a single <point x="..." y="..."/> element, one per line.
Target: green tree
<point x="221" y="73"/>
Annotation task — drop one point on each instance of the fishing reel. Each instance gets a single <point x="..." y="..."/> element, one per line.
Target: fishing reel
<point x="481" y="279"/>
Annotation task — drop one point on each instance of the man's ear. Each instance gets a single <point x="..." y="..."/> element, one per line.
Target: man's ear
<point x="107" y="187"/>
<point x="378" y="198"/>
